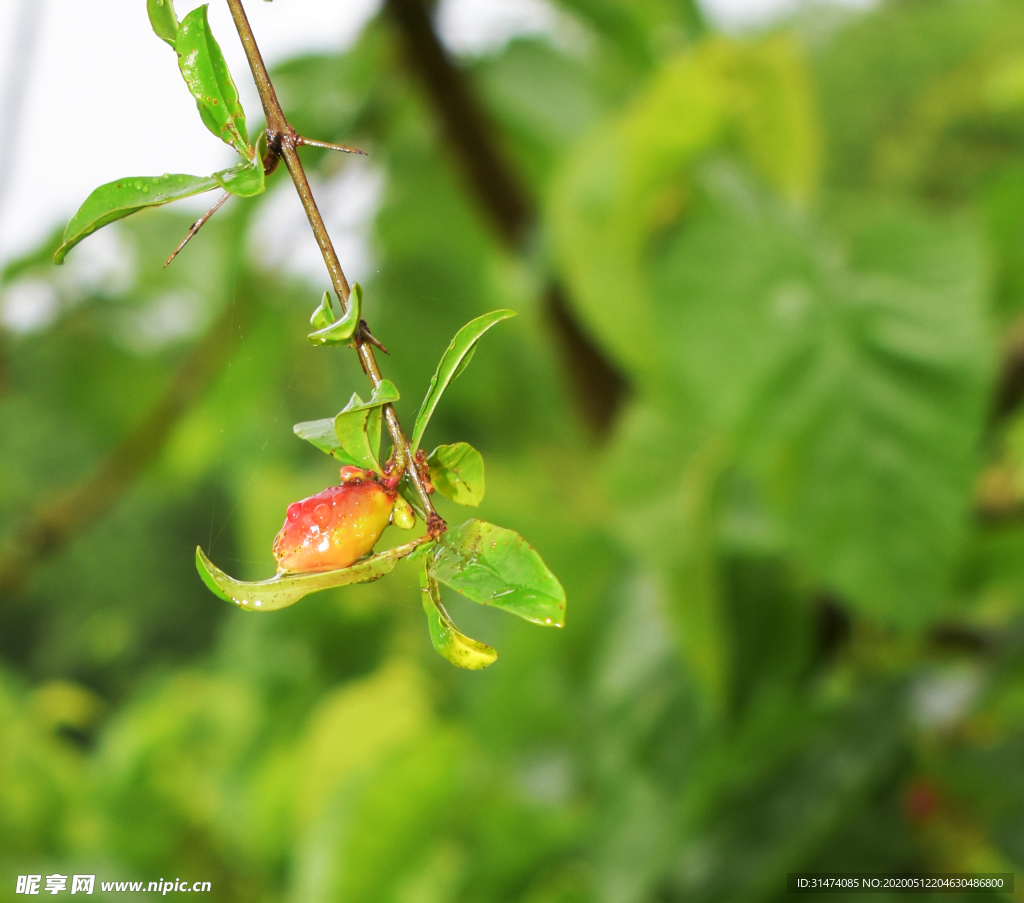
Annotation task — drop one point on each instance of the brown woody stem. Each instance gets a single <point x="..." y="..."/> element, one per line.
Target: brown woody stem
<point x="281" y="138"/>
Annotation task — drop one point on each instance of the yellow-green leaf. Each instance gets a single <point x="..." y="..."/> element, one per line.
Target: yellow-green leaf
<point x="286" y="589"/>
<point x="461" y="650"/>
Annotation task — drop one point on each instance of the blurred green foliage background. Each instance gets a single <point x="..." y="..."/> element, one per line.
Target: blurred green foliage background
<point x="783" y="484"/>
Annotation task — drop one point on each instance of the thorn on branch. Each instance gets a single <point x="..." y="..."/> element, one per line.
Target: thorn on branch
<point x="196" y="226"/>
<point x="363" y="334"/>
<point x="326" y="145"/>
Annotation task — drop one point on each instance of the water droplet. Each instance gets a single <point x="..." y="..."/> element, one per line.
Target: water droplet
<point x="294" y="511"/>
<point x="258" y="603"/>
<point x="322" y="514"/>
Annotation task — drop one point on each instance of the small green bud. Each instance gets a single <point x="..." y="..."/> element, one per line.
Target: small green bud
<point x="402" y="515"/>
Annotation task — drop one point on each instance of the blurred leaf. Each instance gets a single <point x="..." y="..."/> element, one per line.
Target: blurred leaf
<point x="399" y="816"/>
<point x="206" y="74"/>
<point x="347" y="738"/>
<point x="284" y="590"/>
<point x="856" y="393"/>
<point x="765" y="800"/>
<point x="451" y="365"/>
<point x="122" y="198"/>
<point x="457" y="472"/>
<point x="163" y="20"/>
<point x="605" y="209"/>
<point x="673" y="526"/>
<point x="459" y="649"/>
<point x="41" y="778"/>
<point x="495" y="566"/>
<point x="335" y="332"/>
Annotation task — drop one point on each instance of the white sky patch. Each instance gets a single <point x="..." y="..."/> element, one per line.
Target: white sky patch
<point x="476" y="27"/>
<point x="166" y="319"/>
<point x="104" y="265"/>
<point x="738" y="15"/>
<point x="28" y="305"/>
<point x="102" y="77"/>
<point x="942" y="698"/>
<point x="348" y="201"/>
<point x="112" y="88"/>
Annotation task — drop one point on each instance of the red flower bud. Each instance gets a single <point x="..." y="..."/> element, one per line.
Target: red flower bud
<point x="336" y="527"/>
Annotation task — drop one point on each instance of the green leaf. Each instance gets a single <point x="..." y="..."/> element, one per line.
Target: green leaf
<point x="495" y="566"/>
<point x="122" y="198"/>
<point x="358" y="425"/>
<point x="206" y="74"/>
<point x="321" y="434"/>
<point x="284" y="590"/>
<point x="461" y="650"/>
<point x="353" y="436"/>
<point x="323" y="316"/>
<point x="457" y="472"/>
<point x="451" y="366"/>
<point x="336" y="332"/>
<point x="163" y="20"/>
<point x="246" y="180"/>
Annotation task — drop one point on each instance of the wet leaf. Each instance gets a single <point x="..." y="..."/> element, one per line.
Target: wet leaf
<point x="353" y="436"/>
<point x="457" y="472"/>
<point x="337" y="332"/>
<point x="286" y="589"/>
<point x="163" y="20"/>
<point x="246" y="180"/>
<point x="122" y="198"/>
<point x="452" y="364"/>
<point x="495" y="566"/>
<point x="209" y="80"/>
<point x="461" y="650"/>
<point x="358" y="425"/>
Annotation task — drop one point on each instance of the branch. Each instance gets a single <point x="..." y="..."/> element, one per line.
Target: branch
<point x="281" y="138"/>
<point x="52" y="526"/>
<point x="1009" y="391"/>
<point x="599" y="386"/>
